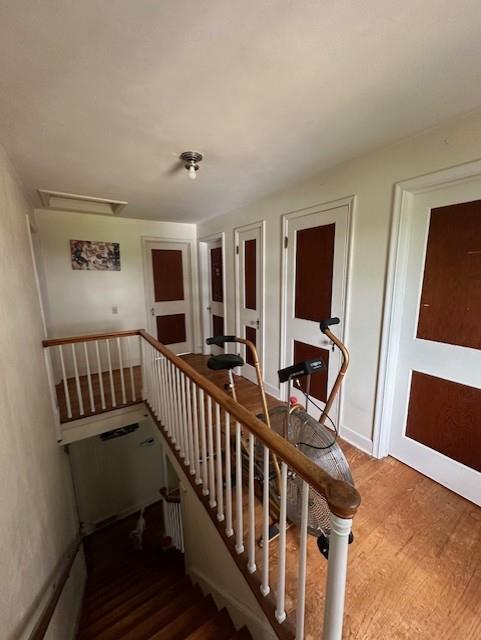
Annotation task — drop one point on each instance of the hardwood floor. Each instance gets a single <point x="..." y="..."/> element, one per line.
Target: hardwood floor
<point x="145" y="595"/>
<point x="109" y="398"/>
<point x="415" y="564"/>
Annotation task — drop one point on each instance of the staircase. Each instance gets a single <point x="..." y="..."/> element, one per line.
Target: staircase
<point x="145" y="595"/>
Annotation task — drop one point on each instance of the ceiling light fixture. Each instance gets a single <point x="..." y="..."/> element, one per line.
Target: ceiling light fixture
<point x="191" y="160"/>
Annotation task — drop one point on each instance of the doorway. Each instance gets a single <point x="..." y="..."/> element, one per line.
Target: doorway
<point x="315" y="265"/>
<point x="167" y="271"/>
<point x="249" y="271"/>
<point x="432" y="390"/>
<point x="212" y="276"/>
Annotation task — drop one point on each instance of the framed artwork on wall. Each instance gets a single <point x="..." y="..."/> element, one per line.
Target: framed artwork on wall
<point x="91" y="255"/>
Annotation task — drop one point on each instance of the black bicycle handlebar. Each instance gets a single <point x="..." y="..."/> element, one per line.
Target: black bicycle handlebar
<point x="220" y="340"/>
<point x="325" y="324"/>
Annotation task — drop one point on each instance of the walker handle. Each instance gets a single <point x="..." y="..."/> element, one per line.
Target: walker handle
<point x="325" y="324"/>
<point x="220" y="340"/>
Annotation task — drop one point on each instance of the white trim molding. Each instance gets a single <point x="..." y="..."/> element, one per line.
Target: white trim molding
<point x="395" y="279"/>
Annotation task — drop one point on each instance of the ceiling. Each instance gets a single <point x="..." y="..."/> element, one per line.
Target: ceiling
<point x="99" y="98"/>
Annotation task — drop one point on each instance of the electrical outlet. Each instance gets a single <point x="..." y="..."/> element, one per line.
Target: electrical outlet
<point x="115" y="310"/>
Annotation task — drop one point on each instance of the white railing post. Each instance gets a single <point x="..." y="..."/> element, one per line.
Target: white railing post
<point x="219" y="469"/>
<point x="77" y="380"/>
<point x="265" y="589"/>
<point x="195" y="413"/>
<point x="336" y="578"/>
<point x="203" y="443"/>
<point x="210" y="449"/>
<point x="251" y="530"/>
<point x="100" y="374"/>
<point x="89" y="378"/>
<point x="301" y="572"/>
<point x="281" y="576"/>
<point x="239" y="542"/>
<point x="228" y="480"/>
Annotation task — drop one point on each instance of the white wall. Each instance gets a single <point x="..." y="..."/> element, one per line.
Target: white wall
<point x="78" y="302"/>
<point x="118" y="476"/>
<point x="209" y="563"/>
<point x="371" y="179"/>
<point x="38" y="520"/>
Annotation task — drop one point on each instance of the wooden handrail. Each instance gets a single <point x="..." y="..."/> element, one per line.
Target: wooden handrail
<point x="53" y="342"/>
<point x="343" y="499"/>
<point x="40" y="628"/>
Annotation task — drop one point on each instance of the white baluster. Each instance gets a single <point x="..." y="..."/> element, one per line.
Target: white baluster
<point x="205" y="485"/>
<point x="251" y="562"/>
<point x="77" y="380"/>
<point x="165" y="395"/>
<point x="228" y="479"/>
<point x="336" y="577"/>
<point x="121" y="367"/>
<point x="65" y="382"/>
<point x="265" y="589"/>
<point x="131" y="368"/>
<point x="89" y="379"/>
<point x="185" y="425"/>
<point x="170" y="387"/>
<point x="219" y="470"/>
<point x="239" y="547"/>
<point x="191" y="425"/>
<point x="301" y="572"/>
<point x="178" y="407"/>
<point x="143" y="366"/>
<point x="111" y="377"/>
<point x="210" y="448"/>
<point x="195" y="411"/>
<point x="100" y="373"/>
<point x="281" y="580"/>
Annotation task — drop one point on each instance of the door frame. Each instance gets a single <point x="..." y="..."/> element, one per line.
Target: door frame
<point x="350" y="202"/>
<point x="394" y="289"/>
<point x="204" y="286"/>
<point x="192" y="274"/>
<point x="261" y="225"/>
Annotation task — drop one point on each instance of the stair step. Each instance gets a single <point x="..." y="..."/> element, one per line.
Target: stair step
<point x="242" y="634"/>
<point x="219" y="627"/>
<point x="130" y="599"/>
<point x="188" y="621"/>
<point x="151" y="616"/>
<point x="95" y="600"/>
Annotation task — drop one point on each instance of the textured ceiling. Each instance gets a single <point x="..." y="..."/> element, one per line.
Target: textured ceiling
<point x="99" y="98"/>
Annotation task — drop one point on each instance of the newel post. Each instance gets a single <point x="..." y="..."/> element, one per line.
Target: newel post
<point x="336" y="577"/>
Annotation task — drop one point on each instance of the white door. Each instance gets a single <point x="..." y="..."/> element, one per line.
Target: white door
<point x="249" y="294"/>
<point x="168" y="277"/>
<point x="436" y="419"/>
<point x="315" y="268"/>
<point x="215" y="308"/>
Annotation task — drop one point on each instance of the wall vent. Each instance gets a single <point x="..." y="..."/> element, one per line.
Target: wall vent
<point x="59" y="201"/>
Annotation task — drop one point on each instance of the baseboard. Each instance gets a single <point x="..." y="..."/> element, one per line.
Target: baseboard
<point x="357" y="440"/>
<point x="239" y="612"/>
<point x="272" y="390"/>
<point x="90" y="527"/>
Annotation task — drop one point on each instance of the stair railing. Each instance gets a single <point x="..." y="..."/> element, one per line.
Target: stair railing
<point x="94" y="373"/>
<point x="204" y="427"/>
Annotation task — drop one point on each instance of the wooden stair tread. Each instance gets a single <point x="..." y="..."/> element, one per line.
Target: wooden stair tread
<point x="188" y="621"/>
<point x="242" y="634"/>
<point x="148" y="617"/>
<point x="115" y="609"/>
<point x="219" y="627"/>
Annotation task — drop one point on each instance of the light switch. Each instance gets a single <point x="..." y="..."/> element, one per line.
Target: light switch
<point x="115" y="310"/>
